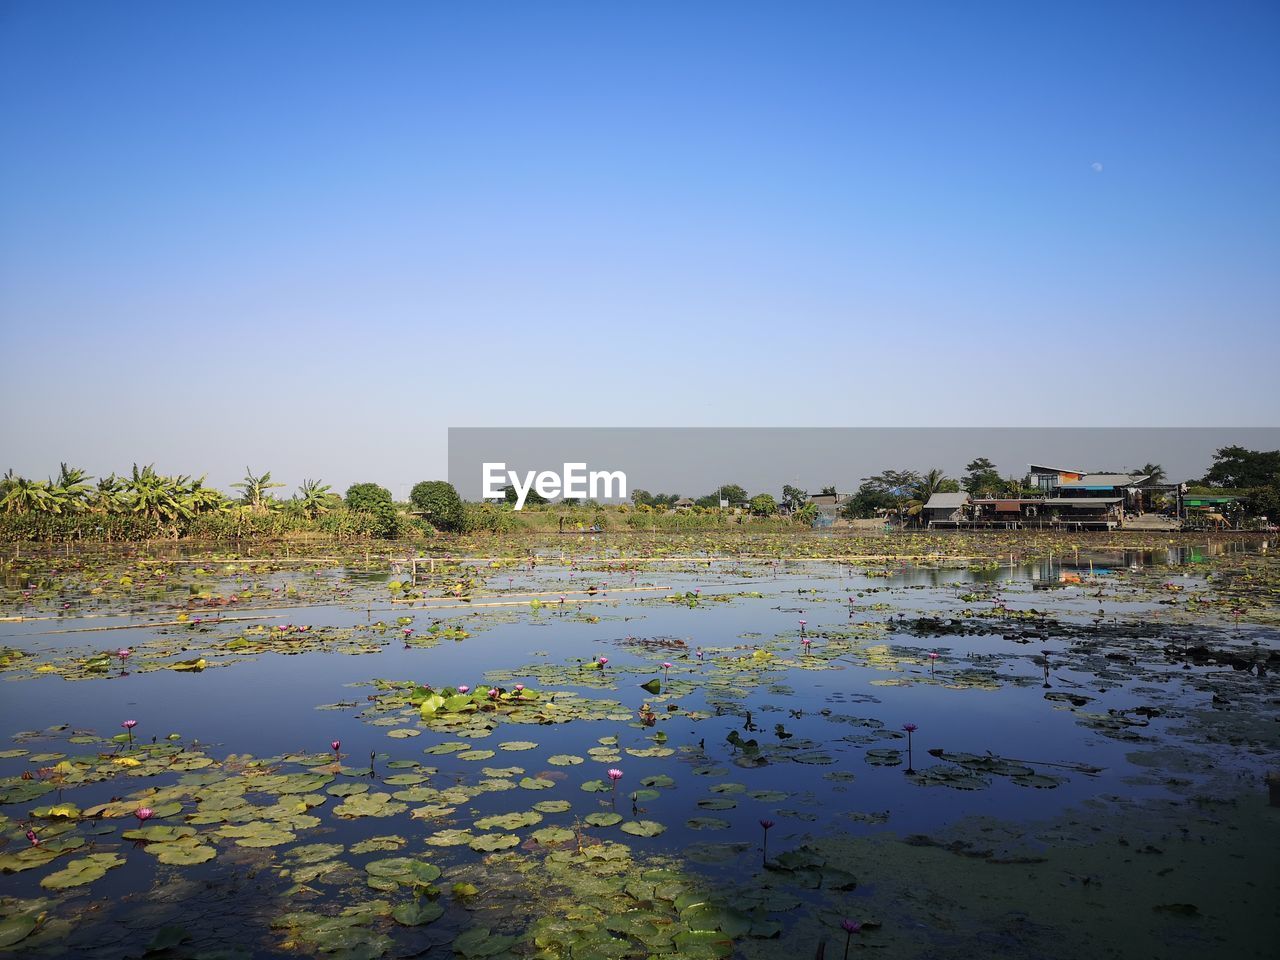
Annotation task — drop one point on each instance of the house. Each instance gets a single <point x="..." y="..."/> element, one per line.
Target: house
<point x="1125" y="486"/>
<point x="1083" y="512"/>
<point x="945" y="510"/>
<point x="1009" y="512"/>
<point x="829" y="506"/>
<point x="1048" y="478"/>
<point x="684" y="503"/>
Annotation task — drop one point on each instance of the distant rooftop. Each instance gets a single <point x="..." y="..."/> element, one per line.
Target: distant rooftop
<point x="1039" y="468"/>
<point x="947" y="501"/>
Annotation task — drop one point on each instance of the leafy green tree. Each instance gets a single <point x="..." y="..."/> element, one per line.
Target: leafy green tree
<point x="828" y="492"/>
<point x="1237" y="467"/>
<point x="871" y="498"/>
<point x="533" y="499"/>
<point x="763" y="505"/>
<point x="982" y="479"/>
<point x="376" y="503"/>
<point x="440" y="504"/>
<point x="793" y="498"/>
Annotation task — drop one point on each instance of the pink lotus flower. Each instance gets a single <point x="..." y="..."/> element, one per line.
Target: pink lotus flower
<point x="764" y="847"/>
<point x="604" y="661"/>
<point x="493" y="693"/>
<point x="408" y="631"/>
<point x="463" y="688"/>
<point x="31" y="835"/>
<point x="128" y="726"/>
<point x="666" y="666"/>
<point x="124" y="653"/>
<point x="615" y="775"/>
<point x="850" y="927"/>
<point x="934" y="655"/>
<point x="335" y="745"/>
<point x="910" y="727"/>
<point x="519" y="688"/>
<point x="144" y="814"/>
<point x="802" y="623"/>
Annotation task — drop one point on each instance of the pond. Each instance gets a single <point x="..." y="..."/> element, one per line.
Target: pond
<point x="604" y="756"/>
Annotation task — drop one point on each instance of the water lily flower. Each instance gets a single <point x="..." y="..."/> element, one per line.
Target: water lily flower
<point x="519" y="688"/>
<point x="123" y="653"/>
<point x="910" y="728"/>
<point x="335" y="745"/>
<point x="144" y="814"/>
<point x="493" y="693"/>
<point x="615" y="775"/>
<point x="934" y="655"/>
<point x="802" y="624"/>
<point x="463" y="688"/>
<point x="408" y="631"/>
<point x="850" y="927"/>
<point x="764" y="847"/>
<point x="31" y="835"/>
<point x="128" y="726"/>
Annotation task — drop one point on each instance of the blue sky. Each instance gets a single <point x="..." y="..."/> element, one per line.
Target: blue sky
<point x="309" y="237"/>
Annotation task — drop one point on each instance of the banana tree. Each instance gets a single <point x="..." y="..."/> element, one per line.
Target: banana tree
<point x="314" y="498"/>
<point x="72" y="489"/>
<point x="23" y="496"/>
<point x="256" y="493"/>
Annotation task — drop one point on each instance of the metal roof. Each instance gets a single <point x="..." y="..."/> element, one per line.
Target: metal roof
<point x="947" y="501"/>
<point x="1041" y="468"/>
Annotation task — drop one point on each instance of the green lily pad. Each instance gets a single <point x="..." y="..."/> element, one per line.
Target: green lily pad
<point x="82" y="871"/>
<point x="495" y="841"/>
<point x="643" y="828"/>
<point x="417" y="913"/>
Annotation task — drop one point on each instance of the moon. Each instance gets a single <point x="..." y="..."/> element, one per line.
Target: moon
<point x="1096" y="167"/>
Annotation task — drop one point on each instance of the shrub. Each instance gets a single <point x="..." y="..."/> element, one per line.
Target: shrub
<point x="440" y="503"/>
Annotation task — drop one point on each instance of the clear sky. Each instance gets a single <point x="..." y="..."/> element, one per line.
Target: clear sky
<point x="309" y="237"/>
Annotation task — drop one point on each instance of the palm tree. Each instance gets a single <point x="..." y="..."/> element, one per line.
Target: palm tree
<point x="314" y="498"/>
<point x="925" y="487"/>
<point x="1153" y="470"/>
<point x="256" y="490"/>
